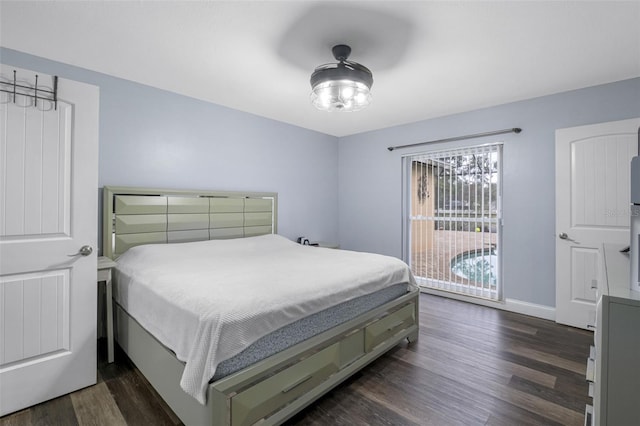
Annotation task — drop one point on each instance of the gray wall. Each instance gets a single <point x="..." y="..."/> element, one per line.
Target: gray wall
<point x="349" y="187"/>
<point x="154" y="138"/>
<point x="370" y="177"/>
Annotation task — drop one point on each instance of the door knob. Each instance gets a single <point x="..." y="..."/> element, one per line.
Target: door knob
<point x="564" y="236"/>
<point x="84" y="251"/>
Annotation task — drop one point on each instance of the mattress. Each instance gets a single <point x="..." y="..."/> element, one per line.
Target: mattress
<point x="307" y="327"/>
<point x="209" y="301"/>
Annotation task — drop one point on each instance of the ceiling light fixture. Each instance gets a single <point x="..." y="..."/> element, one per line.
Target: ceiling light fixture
<point x="343" y="86"/>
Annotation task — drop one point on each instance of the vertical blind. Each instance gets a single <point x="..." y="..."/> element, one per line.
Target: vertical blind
<point x="454" y="203"/>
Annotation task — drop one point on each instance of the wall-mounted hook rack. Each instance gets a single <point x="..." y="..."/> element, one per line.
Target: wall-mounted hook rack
<point x="35" y="92"/>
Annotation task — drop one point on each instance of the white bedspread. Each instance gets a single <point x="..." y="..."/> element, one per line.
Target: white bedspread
<point x="208" y="301"/>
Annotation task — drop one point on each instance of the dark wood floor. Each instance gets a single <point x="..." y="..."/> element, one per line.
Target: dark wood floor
<point x="472" y="366"/>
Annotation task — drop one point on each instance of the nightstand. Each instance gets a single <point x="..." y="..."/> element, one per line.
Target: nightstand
<point x="104" y="274"/>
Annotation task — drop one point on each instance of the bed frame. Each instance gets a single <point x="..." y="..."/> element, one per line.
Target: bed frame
<point x="276" y="388"/>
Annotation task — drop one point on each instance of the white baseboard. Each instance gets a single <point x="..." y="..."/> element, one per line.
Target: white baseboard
<point x="532" y="309"/>
<point x="512" y="305"/>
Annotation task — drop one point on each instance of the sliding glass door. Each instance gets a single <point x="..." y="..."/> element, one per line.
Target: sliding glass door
<point x="453" y="217"/>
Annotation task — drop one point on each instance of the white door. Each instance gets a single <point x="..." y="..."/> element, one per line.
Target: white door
<point x="592" y="208"/>
<point x="48" y="211"/>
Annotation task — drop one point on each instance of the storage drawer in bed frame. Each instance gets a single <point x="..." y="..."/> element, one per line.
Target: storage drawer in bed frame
<point x="385" y="327"/>
<point x="274" y="389"/>
<point x="264" y="398"/>
<point x="270" y="394"/>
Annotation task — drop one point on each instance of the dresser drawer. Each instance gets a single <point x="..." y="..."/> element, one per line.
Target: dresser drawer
<point x="386" y="327"/>
<point x="588" y="415"/>
<point x="267" y="396"/>
<point x="591" y="370"/>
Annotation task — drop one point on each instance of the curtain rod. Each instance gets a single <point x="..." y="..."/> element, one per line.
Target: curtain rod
<point x="459" y="138"/>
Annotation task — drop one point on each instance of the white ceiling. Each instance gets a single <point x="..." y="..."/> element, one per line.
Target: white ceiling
<point x="428" y="58"/>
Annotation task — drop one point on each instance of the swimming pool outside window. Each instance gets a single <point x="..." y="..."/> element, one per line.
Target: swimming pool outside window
<point x="452" y="209"/>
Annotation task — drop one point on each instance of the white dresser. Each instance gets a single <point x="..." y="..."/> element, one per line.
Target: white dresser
<point x="613" y="366"/>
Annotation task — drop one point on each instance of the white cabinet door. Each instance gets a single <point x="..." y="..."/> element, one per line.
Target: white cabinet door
<point x="592" y="208"/>
<point x="48" y="211"/>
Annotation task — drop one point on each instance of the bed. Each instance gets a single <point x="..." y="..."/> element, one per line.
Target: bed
<point x="293" y="352"/>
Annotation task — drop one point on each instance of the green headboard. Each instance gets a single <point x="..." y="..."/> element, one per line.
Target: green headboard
<point x="135" y="216"/>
